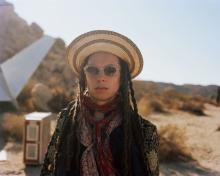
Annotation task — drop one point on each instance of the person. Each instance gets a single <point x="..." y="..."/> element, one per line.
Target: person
<point x="218" y="96"/>
<point x="100" y="133"/>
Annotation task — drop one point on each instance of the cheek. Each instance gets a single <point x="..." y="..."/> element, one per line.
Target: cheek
<point x="116" y="83"/>
<point x="91" y="83"/>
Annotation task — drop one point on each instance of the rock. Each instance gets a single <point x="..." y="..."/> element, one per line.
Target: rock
<point x="41" y="95"/>
<point x="53" y="72"/>
<point x="15" y="33"/>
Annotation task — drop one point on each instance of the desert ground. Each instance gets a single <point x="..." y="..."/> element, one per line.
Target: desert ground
<point x="202" y="139"/>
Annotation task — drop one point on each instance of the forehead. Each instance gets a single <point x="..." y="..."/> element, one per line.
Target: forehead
<point x="103" y="58"/>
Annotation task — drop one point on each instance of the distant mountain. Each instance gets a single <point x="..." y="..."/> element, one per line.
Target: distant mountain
<point x="190" y="89"/>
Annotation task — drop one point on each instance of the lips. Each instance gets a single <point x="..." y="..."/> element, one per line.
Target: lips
<point x="101" y="88"/>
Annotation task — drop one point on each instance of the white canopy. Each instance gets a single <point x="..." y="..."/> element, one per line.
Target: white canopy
<point x="15" y="72"/>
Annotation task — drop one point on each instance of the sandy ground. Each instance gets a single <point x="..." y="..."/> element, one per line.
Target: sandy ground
<point x="203" y="140"/>
<point x="14" y="165"/>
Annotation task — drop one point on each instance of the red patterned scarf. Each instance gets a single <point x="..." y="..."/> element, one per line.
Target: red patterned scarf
<point x="97" y="158"/>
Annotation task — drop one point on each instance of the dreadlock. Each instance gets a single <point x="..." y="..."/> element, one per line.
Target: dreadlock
<point x="131" y="125"/>
<point x="76" y="125"/>
<point x="73" y="139"/>
<point x="126" y="118"/>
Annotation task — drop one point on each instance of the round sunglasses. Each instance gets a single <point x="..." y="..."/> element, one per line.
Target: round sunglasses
<point x="109" y="70"/>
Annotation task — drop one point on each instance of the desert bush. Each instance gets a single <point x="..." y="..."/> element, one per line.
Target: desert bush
<point x="156" y="106"/>
<point x="171" y="99"/>
<point x="212" y="101"/>
<point x="12" y="126"/>
<point x="28" y="105"/>
<point x="144" y="107"/>
<point x="218" y="129"/>
<point x="153" y="101"/>
<point x="148" y="105"/>
<point x="172" y="144"/>
<point x="199" y="99"/>
<point x="25" y="99"/>
<point x="26" y="92"/>
<point x="59" y="99"/>
<point x="193" y="107"/>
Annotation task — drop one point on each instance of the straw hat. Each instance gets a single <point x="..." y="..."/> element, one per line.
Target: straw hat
<point x="104" y="41"/>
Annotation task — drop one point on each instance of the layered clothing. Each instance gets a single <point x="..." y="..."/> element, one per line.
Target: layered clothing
<point x="100" y="142"/>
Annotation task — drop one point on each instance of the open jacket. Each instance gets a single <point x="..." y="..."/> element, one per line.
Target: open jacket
<point x="54" y="164"/>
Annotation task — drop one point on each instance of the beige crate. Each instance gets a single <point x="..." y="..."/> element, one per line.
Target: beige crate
<point x="37" y="133"/>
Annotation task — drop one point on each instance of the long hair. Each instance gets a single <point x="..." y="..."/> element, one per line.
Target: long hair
<point x="130" y="120"/>
<point x="130" y="117"/>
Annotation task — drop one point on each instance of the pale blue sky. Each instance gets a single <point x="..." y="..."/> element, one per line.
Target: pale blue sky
<point x="179" y="39"/>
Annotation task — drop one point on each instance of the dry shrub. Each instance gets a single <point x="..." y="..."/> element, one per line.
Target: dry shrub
<point x="171" y="99"/>
<point x="59" y="99"/>
<point x="192" y="104"/>
<point x="212" y="102"/>
<point x="28" y="105"/>
<point x="218" y="129"/>
<point x="26" y="92"/>
<point x="25" y="99"/>
<point x="193" y="107"/>
<point x="172" y="144"/>
<point x="199" y="99"/>
<point x="156" y="106"/>
<point x="12" y="127"/>
<point x="144" y="107"/>
<point x="148" y="105"/>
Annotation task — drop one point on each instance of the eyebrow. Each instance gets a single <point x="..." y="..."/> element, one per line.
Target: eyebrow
<point x="115" y="65"/>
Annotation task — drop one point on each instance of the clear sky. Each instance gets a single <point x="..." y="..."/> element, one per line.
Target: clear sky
<point x="179" y="39"/>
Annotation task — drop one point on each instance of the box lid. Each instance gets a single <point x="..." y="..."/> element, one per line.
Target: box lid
<point x="37" y="115"/>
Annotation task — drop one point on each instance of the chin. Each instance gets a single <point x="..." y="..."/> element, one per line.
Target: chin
<point x="103" y="98"/>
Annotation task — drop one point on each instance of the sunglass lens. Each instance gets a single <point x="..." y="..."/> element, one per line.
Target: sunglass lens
<point x="109" y="70"/>
<point x="92" y="70"/>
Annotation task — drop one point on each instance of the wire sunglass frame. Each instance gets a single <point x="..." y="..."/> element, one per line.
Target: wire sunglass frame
<point x="108" y="70"/>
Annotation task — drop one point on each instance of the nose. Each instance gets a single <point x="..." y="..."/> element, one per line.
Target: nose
<point x="101" y="76"/>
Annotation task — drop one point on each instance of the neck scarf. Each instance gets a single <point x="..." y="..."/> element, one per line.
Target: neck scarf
<point x="97" y="159"/>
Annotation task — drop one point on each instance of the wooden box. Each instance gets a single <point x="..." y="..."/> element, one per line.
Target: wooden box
<point x="37" y="134"/>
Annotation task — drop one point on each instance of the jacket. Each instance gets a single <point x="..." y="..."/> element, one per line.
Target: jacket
<point x="53" y="161"/>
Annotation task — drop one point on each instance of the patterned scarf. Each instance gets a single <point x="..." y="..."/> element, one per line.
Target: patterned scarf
<point x="97" y="158"/>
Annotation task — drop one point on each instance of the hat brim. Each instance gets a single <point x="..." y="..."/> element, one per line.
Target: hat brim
<point x="104" y="41"/>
